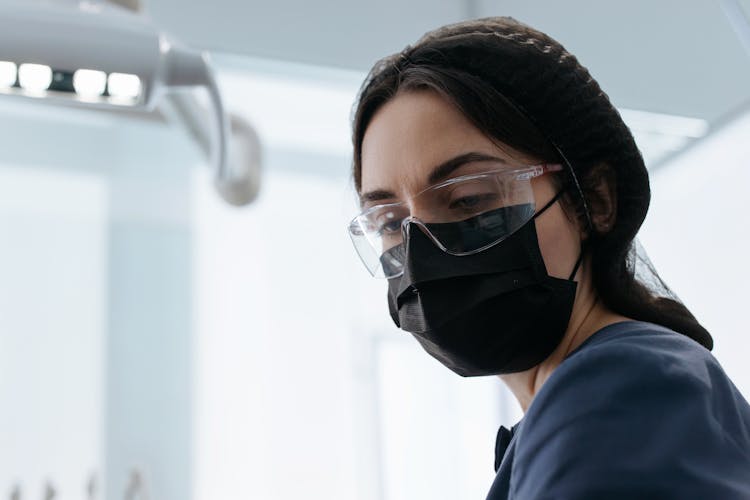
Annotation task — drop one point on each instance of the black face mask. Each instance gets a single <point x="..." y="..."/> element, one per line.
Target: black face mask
<point x="494" y="312"/>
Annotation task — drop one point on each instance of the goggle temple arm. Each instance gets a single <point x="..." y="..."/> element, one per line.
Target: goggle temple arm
<point x="589" y="222"/>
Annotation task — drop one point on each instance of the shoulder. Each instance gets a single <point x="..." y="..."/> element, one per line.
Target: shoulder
<point x="638" y="408"/>
<point x="629" y="364"/>
<point x="632" y="353"/>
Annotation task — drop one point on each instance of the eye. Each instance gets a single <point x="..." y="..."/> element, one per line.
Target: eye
<point x="390" y="227"/>
<point x="388" y="224"/>
<point x="474" y="202"/>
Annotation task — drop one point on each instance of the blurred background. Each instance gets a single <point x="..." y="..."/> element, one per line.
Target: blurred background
<point x="157" y="342"/>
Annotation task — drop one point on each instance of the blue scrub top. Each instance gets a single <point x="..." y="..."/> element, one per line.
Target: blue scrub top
<point x="636" y="412"/>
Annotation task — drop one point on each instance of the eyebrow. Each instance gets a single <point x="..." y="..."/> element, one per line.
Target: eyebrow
<point x="437" y="174"/>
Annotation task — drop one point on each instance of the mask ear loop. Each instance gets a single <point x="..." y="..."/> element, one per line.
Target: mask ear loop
<point x="549" y="204"/>
<point x="578" y="263"/>
<point x="542" y="210"/>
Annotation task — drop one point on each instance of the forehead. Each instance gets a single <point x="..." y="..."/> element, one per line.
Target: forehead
<point x="411" y="134"/>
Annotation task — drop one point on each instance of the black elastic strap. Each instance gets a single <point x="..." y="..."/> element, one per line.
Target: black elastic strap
<point x="578" y="263"/>
<point x="549" y="204"/>
<point x="580" y="255"/>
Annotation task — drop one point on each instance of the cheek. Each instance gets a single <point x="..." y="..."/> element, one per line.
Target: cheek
<point x="559" y="241"/>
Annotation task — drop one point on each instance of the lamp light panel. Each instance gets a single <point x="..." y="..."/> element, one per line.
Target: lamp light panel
<point x="8" y="74"/>
<point x="34" y="77"/>
<point x="89" y="83"/>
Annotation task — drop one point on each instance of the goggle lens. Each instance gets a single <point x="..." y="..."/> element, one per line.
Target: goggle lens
<point x="462" y="216"/>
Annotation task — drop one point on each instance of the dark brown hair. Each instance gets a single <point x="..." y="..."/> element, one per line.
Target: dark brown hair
<point x="522" y="88"/>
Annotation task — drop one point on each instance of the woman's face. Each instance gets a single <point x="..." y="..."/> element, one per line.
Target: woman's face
<point x="417" y="131"/>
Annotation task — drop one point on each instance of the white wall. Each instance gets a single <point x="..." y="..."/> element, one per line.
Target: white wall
<point x="94" y="303"/>
<point x="53" y="263"/>
<point x="697" y="234"/>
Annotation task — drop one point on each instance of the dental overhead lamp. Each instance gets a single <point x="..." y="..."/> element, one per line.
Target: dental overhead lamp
<point x="96" y="54"/>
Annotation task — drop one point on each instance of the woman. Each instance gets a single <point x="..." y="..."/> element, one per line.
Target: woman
<point x="501" y="193"/>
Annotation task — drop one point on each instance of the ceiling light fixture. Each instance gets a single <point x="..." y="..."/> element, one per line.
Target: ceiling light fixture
<point x="65" y="53"/>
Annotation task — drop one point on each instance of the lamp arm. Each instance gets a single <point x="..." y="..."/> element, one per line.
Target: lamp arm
<point x="222" y="173"/>
<point x="184" y="68"/>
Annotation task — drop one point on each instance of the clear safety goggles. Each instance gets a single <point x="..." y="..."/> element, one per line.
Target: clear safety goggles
<point x="462" y="216"/>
